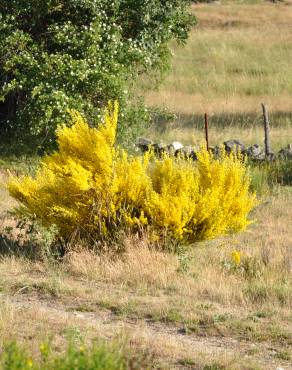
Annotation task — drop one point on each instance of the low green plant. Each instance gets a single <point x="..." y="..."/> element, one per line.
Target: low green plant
<point x="283" y="355"/>
<point x="99" y="356"/>
<point x="280" y="172"/>
<point x="243" y="264"/>
<point x="268" y="175"/>
<point x="260" y="179"/>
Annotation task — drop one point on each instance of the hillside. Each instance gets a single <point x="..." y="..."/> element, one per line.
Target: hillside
<point x="238" y="56"/>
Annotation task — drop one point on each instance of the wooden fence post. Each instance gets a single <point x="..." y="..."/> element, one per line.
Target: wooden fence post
<point x="207" y="130"/>
<point x="267" y="130"/>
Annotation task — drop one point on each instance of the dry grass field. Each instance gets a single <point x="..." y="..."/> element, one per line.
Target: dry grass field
<point x="198" y="309"/>
<point x="238" y="56"/>
<point x="193" y="310"/>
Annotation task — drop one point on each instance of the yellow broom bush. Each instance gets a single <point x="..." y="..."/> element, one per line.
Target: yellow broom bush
<point x="91" y="187"/>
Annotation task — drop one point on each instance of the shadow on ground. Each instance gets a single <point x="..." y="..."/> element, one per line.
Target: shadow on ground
<point x="12" y="247"/>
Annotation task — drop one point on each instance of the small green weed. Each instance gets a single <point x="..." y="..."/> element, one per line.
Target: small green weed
<point x="283" y="355"/>
<point x="247" y="266"/>
<point x="214" y="366"/>
<point x="99" y="356"/>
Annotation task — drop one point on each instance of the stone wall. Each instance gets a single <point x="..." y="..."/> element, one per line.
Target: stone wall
<point x="253" y="152"/>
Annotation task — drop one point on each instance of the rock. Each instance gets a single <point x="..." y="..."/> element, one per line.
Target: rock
<point x="174" y="146"/>
<point x="159" y="148"/>
<point x="286" y="153"/>
<point x="260" y="158"/>
<point x="177" y="145"/>
<point x="253" y="151"/>
<point x="144" y="144"/>
<point x="234" y="145"/>
<point x="215" y="150"/>
<point x="186" y="152"/>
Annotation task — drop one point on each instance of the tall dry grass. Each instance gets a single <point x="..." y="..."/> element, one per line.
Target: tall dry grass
<point x="237" y="57"/>
<point x="138" y="265"/>
<point x="167" y="303"/>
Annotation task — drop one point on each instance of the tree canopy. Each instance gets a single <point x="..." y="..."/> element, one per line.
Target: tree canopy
<point x="57" y="55"/>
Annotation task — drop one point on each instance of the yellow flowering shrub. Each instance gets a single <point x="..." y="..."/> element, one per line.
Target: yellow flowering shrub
<point x="92" y="187"/>
<point x="236" y="257"/>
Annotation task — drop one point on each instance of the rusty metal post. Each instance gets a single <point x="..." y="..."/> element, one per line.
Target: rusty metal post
<point x="267" y="130"/>
<point x="207" y="130"/>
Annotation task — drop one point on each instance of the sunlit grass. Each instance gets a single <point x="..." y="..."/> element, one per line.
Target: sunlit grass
<point x="237" y="56"/>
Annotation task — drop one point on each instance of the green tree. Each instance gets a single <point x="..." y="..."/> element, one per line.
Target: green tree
<point x="60" y="54"/>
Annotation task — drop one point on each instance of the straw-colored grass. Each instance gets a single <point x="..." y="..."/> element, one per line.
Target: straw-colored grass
<point x="196" y="309"/>
<point x="181" y="308"/>
<point x="237" y="57"/>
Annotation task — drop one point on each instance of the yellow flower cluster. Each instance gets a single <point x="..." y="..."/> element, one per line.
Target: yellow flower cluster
<point x="92" y="187"/>
<point x="236" y="257"/>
